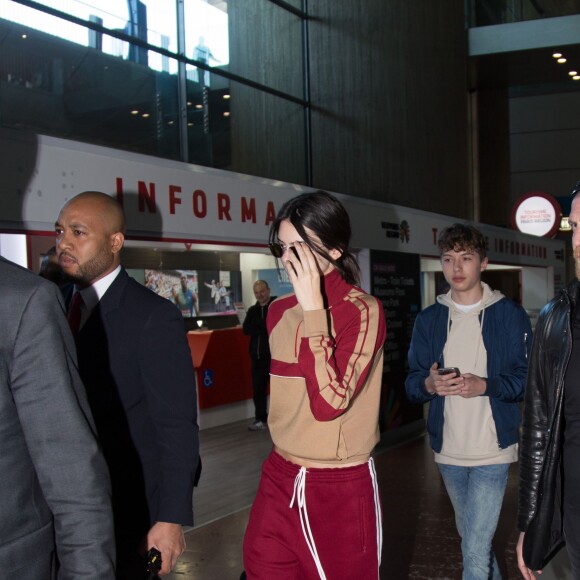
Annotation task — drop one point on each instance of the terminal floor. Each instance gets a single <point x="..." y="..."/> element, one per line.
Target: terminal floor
<point x="420" y="538"/>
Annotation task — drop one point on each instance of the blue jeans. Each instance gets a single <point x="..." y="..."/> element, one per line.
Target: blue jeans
<point x="476" y="494"/>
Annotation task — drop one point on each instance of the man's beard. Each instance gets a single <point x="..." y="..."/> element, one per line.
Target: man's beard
<point x="92" y="269"/>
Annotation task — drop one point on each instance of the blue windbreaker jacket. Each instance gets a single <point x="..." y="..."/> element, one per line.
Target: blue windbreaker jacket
<point x="507" y="335"/>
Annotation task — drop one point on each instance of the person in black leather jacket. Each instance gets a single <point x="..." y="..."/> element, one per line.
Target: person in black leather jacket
<point x="549" y="490"/>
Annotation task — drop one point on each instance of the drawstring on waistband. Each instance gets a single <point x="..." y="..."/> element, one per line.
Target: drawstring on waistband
<point x="300" y="495"/>
<point x="378" y="518"/>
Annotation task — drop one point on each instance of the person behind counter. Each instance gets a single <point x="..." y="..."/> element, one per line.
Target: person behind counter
<point x="484" y="341"/>
<point x="255" y="328"/>
<point x="326" y="342"/>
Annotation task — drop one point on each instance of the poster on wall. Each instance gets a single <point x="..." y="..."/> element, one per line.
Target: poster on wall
<point x="395" y="281"/>
<point x="197" y="292"/>
<point x="278" y="281"/>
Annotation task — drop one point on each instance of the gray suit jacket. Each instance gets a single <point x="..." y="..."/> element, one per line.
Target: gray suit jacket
<point x="54" y="491"/>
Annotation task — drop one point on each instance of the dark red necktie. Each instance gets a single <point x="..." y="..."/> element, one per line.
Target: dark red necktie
<point x="74" y="313"/>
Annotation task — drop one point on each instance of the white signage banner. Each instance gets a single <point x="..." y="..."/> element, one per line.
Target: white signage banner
<point x="172" y="201"/>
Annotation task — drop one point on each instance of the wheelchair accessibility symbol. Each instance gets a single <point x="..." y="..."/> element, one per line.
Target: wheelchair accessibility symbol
<point x="208" y="378"/>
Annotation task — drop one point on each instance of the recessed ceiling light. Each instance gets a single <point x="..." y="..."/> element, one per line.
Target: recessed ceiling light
<point x="562" y="60"/>
<point x="190" y="124"/>
<point x="576" y="78"/>
<point x="573" y="73"/>
<point x="24" y="36"/>
<point x="145" y="115"/>
<point x="170" y="122"/>
<point x="226" y="114"/>
<point x="189" y="103"/>
<point x="135" y="112"/>
<point x="199" y="106"/>
<point x="557" y="55"/>
<point x="227" y="97"/>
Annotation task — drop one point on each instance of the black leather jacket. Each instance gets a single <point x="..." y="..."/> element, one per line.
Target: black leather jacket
<point x="255" y="326"/>
<point x="540" y="493"/>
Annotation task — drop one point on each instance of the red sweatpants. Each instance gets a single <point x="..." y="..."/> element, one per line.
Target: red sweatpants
<point x="341" y="511"/>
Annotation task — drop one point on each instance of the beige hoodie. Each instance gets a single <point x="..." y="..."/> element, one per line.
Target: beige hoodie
<point x="469" y="434"/>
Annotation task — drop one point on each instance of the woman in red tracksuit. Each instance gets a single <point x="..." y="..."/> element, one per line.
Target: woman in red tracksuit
<point x="317" y="511"/>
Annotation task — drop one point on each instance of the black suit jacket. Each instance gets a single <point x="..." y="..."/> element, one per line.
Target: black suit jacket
<point x="136" y="365"/>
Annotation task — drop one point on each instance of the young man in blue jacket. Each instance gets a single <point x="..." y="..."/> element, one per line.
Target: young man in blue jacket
<point x="468" y="358"/>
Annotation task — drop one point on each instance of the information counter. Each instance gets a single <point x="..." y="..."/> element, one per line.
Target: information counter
<point x="222" y="366"/>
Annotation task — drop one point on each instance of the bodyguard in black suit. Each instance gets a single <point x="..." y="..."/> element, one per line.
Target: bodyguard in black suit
<point x="136" y="365"/>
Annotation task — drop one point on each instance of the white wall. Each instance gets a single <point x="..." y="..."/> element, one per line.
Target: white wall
<point x="536" y="289"/>
<point x="13" y="248"/>
<point x="537" y="284"/>
<point x="545" y="143"/>
<point x="249" y="264"/>
<point x="364" y="262"/>
<point x="224" y="414"/>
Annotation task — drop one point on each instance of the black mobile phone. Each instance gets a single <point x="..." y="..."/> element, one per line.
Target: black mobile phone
<point x="153" y="564"/>
<point x="448" y="370"/>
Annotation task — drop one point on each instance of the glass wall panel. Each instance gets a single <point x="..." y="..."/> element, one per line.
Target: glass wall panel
<point x="490" y="12"/>
<point x="254" y="39"/>
<point x="152" y="21"/>
<point x="114" y="17"/>
<point x="59" y="87"/>
<point x="268" y="135"/>
<point x="294" y="3"/>
<point x="206" y="37"/>
<point x="208" y="122"/>
<point x="64" y="79"/>
<point x="223" y="121"/>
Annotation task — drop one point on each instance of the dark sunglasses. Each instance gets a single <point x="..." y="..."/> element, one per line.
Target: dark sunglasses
<point x="276" y="249"/>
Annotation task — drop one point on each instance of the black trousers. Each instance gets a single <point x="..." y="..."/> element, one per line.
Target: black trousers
<point x="572" y="533"/>
<point x="260" y="381"/>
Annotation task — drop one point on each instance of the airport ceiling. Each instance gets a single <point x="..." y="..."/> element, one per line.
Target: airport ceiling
<point x="528" y="71"/>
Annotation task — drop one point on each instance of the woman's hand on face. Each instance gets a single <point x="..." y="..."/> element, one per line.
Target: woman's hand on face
<point x="304" y="274"/>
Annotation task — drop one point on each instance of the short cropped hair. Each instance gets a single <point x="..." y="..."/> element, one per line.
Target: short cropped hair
<point x="461" y="238"/>
<point x="261" y="282"/>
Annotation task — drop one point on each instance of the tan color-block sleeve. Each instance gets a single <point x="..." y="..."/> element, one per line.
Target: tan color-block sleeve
<point x="315" y="323"/>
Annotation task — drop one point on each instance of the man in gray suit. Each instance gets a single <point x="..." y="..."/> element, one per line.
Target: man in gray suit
<point x="55" y="506"/>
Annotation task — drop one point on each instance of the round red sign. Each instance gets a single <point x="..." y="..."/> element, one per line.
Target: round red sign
<point x="537" y="213"/>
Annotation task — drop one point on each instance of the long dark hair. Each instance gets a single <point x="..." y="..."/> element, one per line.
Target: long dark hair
<point x="325" y="217"/>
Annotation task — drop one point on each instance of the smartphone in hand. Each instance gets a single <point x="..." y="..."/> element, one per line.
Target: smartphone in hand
<point x="153" y="564"/>
<point x="449" y="370"/>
